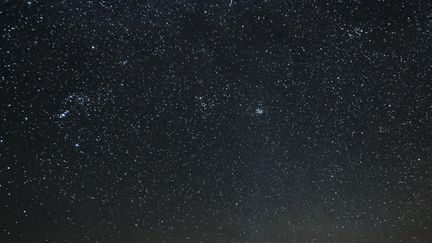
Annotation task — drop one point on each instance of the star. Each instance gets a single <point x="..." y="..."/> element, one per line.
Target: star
<point x="259" y="111"/>
<point x="64" y="114"/>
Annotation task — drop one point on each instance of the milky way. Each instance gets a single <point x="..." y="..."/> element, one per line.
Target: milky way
<point x="216" y="121"/>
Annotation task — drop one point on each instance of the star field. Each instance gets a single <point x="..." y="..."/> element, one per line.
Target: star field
<point x="216" y="121"/>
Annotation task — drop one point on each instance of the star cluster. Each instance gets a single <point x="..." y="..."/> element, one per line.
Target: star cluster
<point x="216" y="121"/>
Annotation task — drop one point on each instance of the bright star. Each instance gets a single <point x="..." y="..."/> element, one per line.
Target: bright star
<point x="259" y="111"/>
<point x="63" y="114"/>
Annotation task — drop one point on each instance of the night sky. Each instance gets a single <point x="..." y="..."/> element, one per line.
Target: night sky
<point x="216" y="121"/>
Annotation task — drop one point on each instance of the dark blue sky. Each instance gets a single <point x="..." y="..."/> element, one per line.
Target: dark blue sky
<point x="215" y="121"/>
